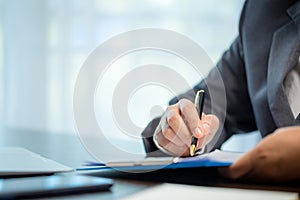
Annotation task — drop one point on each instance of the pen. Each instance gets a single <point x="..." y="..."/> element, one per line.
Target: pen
<point x="199" y="102"/>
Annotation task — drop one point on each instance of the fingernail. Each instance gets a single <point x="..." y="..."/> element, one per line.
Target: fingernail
<point x="205" y="127"/>
<point x="198" y="133"/>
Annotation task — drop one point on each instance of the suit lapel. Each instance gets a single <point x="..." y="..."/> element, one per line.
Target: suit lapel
<point x="284" y="55"/>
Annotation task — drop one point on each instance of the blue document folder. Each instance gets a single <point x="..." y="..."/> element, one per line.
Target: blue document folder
<point x="213" y="159"/>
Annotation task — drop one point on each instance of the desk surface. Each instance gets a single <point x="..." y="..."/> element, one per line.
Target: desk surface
<point x="68" y="150"/>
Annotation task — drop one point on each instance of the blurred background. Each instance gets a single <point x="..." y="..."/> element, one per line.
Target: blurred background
<point x="43" y="44"/>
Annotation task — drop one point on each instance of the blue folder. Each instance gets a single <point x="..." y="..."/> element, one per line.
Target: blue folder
<point x="214" y="159"/>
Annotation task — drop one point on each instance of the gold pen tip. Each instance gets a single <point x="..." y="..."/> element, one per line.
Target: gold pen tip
<point x="192" y="150"/>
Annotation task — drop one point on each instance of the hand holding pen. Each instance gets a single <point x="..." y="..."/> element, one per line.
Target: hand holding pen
<point x="179" y="124"/>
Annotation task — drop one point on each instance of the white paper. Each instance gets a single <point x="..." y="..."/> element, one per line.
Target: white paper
<point x="178" y="191"/>
<point x="220" y="156"/>
<point x="223" y="156"/>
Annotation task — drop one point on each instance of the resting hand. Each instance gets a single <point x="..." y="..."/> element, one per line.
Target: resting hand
<point x="275" y="159"/>
<point x="179" y="123"/>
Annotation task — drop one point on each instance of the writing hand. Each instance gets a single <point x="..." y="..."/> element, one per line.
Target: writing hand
<point x="177" y="125"/>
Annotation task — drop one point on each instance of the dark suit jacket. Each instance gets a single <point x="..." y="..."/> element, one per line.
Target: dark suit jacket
<point x="253" y="71"/>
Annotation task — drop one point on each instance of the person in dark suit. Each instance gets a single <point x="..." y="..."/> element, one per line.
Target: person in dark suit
<point x="261" y="76"/>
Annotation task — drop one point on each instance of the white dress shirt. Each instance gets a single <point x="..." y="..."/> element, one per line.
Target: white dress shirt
<point x="292" y="89"/>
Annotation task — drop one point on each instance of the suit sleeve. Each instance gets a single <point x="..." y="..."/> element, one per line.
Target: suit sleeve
<point x="236" y="114"/>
